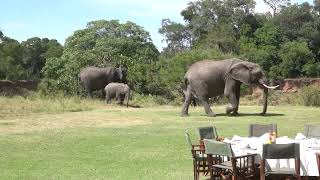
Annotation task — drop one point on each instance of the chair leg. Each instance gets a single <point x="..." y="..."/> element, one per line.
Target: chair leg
<point x="262" y="169"/>
<point x="194" y="171"/>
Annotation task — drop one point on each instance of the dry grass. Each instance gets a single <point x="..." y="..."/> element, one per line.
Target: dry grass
<point x="102" y="117"/>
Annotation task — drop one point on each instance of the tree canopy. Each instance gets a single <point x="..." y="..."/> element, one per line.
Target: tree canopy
<point x="285" y="42"/>
<point x="25" y="60"/>
<point x="103" y="43"/>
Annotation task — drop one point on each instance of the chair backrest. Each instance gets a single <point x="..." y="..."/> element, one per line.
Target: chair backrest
<point x="312" y="131"/>
<point x="217" y="148"/>
<point x="207" y="132"/>
<point x="257" y="130"/>
<point x="281" y="151"/>
<point x="188" y="140"/>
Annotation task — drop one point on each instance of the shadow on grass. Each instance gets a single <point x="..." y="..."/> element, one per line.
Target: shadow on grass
<point x="248" y="114"/>
<point x="134" y="106"/>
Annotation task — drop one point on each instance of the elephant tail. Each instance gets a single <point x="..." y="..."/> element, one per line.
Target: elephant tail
<point x="185" y="88"/>
<point x="185" y="85"/>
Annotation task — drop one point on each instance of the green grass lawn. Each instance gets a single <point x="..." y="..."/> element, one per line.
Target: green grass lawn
<point x="113" y="142"/>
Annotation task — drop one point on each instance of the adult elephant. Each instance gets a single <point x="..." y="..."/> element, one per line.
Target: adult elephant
<point x="94" y="78"/>
<point x="120" y="91"/>
<point x="207" y="78"/>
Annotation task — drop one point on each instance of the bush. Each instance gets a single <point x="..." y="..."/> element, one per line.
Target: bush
<point x="310" y="95"/>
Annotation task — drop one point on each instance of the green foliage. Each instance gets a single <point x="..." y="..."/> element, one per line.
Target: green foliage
<point x="312" y="69"/>
<point x="25" y="60"/>
<point x="310" y="95"/>
<point x="205" y="17"/>
<point x="11" y="65"/>
<point x="284" y="44"/>
<point x="103" y="43"/>
<point x="222" y="38"/>
<point x="178" y="37"/>
<point x="294" y="56"/>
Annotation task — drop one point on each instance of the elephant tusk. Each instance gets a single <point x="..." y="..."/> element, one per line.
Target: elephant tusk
<point x="270" y="87"/>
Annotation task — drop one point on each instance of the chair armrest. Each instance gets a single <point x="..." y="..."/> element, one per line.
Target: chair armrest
<point x="199" y="151"/>
<point x="195" y="145"/>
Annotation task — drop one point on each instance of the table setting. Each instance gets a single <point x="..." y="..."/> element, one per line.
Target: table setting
<point x="253" y="145"/>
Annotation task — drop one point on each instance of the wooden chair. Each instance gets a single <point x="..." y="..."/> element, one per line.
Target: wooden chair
<point x="209" y="132"/>
<point x="280" y="151"/>
<point x="312" y="131"/>
<point x="256" y="130"/>
<point x="318" y="162"/>
<point x="199" y="159"/>
<point x="223" y="164"/>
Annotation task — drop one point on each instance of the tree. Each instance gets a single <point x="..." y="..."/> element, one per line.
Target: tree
<point x="295" y="21"/>
<point x="276" y="5"/>
<point x="103" y="43"/>
<point x="316" y="5"/>
<point x="217" y="23"/>
<point x="36" y="51"/>
<point x="295" y="55"/>
<point x="177" y="37"/>
<point x="11" y="59"/>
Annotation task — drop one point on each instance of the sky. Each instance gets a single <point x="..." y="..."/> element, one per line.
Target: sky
<point x="58" y="19"/>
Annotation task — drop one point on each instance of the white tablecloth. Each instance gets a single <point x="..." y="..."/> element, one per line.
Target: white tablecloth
<point x="308" y="148"/>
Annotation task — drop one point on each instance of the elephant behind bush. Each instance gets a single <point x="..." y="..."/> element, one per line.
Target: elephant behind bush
<point x="94" y="78"/>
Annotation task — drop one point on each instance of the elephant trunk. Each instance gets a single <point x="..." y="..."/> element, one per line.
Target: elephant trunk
<point x="128" y="97"/>
<point x="265" y="101"/>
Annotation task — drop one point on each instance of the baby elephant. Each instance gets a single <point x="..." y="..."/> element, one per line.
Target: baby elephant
<point x="120" y="91"/>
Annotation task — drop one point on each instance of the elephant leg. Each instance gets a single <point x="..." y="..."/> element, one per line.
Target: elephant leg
<point x="107" y="99"/>
<point x="206" y="106"/>
<point x="118" y="98"/>
<point x="103" y="93"/>
<point x="233" y="94"/>
<point x="194" y="103"/>
<point x="122" y="96"/>
<point x="232" y="106"/>
<point x="186" y="103"/>
<point x="235" y="112"/>
<point x="90" y="94"/>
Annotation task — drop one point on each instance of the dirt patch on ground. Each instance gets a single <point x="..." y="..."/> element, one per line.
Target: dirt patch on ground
<point x="97" y="118"/>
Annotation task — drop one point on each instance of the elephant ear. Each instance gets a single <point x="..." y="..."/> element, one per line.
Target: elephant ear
<point x="240" y="72"/>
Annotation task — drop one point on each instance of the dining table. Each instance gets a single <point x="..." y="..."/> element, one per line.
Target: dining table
<point x="253" y="145"/>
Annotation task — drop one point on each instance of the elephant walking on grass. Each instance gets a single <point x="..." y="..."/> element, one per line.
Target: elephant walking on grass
<point x="94" y="78"/>
<point x="208" y="78"/>
<point x="120" y="91"/>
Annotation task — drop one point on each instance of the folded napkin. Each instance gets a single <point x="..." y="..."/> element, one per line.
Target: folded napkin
<point x="300" y="136"/>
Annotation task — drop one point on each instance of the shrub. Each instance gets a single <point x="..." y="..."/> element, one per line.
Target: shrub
<point x="310" y="95"/>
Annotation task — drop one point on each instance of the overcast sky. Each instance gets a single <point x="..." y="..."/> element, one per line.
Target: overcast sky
<point x="58" y="19"/>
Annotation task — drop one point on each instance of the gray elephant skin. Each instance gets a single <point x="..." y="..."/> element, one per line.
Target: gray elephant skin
<point x="209" y="78"/>
<point x="120" y="91"/>
<point x="94" y="78"/>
